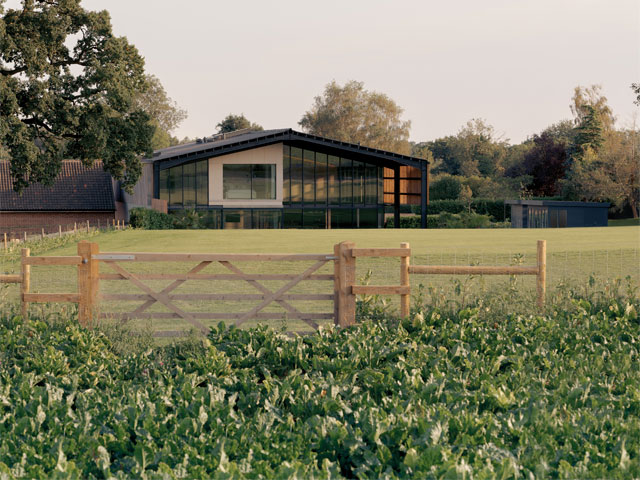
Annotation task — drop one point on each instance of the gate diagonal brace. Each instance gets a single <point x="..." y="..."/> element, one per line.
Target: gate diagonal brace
<point x="284" y="304"/>
<point x="161" y="297"/>
<point x="169" y="288"/>
<point x="275" y="296"/>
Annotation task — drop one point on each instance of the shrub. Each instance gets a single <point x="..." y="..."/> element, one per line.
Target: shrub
<point x="148" y="219"/>
<point x="445" y="188"/>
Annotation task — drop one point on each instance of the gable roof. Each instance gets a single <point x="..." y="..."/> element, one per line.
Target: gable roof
<point x="77" y="188"/>
<point x="246" y="140"/>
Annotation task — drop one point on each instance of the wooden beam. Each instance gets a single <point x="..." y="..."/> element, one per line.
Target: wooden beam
<point x="52" y="297"/>
<point x="404" y="281"/>
<point x="72" y="260"/>
<point x="472" y="270"/>
<point x="10" y="278"/>
<point x="380" y="290"/>
<point x="219" y="257"/>
<point x="219" y="276"/>
<point x="380" y="252"/>
<point x="26" y="282"/>
<point x="214" y="296"/>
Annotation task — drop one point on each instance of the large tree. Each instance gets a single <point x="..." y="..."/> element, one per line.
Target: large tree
<point x="232" y="122"/>
<point x="165" y="114"/>
<point x="67" y="86"/>
<point x="352" y="114"/>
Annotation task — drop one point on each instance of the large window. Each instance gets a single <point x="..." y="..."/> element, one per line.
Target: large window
<point x="185" y="185"/>
<point x="249" y="181"/>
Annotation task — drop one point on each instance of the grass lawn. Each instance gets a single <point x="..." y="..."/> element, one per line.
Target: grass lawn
<point x="624" y="222"/>
<point x="573" y="254"/>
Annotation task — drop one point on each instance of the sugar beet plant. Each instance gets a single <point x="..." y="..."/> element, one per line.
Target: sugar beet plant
<point x="444" y="394"/>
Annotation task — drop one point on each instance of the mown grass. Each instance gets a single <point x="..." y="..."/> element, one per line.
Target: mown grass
<point x="573" y="255"/>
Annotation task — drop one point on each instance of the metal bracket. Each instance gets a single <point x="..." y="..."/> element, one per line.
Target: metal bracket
<point x="108" y="256"/>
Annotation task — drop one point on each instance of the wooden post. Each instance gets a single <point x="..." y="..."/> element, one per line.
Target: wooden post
<point x="5" y="241"/>
<point x="347" y="274"/>
<point x="114" y="222"/>
<point x="60" y="231"/>
<point x="42" y="232"/>
<point x="26" y="283"/>
<point x="25" y="236"/>
<point x="404" y="281"/>
<point x="336" y="284"/>
<point x="88" y="228"/>
<point x="88" y="281"/>
<point x="542" y="271"/>
<point x="75" y="227"/>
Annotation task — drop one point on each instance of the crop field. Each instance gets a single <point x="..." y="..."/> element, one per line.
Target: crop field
<point x="468" y="393"/>
<point x="574" y="255"/>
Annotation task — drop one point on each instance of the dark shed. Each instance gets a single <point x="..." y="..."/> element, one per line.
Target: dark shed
<point x="553" y="214"/>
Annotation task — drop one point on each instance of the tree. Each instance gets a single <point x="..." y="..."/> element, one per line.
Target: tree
<point x="586" y="99"/>
<point x="475" y="150"/>
<point x="165" y="114"/>
<point x="613" y="173"/>
<point x="231" y="123"/>
<point x="355" y="115"/>
<point x="66" y="91"/>
<point x="636" y="91"/>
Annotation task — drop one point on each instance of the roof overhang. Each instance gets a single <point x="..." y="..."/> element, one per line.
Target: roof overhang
<point x="290" y="137"/>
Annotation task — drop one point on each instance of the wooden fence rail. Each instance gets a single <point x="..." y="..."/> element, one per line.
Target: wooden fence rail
<point x="345" y="290"/>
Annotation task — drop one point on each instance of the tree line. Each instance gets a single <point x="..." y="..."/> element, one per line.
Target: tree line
<point x="70" y="88"/>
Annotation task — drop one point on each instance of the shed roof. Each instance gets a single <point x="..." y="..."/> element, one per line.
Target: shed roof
<point x="245" y="140"/>
<point x="555" y="203"/>
<point x="77" y="188"/>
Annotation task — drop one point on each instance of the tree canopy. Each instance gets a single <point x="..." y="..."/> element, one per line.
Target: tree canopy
<point x="232" y="122"/>
<point x="165" y="114"/>
<point x="352" y="114"/>
<point x="67" y="89"/>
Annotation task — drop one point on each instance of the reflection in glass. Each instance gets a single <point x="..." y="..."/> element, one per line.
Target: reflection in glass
<point x="164" y="187"/>
<point x="263" y="181"/>
<point x="308" y="178"/>
<point x="334" y="180"/>
<point x="371" y="183"/>
<point x="202" y="182"/>
<point x="296" y="175"/>
<point x="346" y="181"/>
<point x="292" y="218"/>
<point x="236" y="219"/>
<point x="380" y="185"/>
<point x="321" y="178"/>
<point x="342" y="218"/>
<point x="175" y="186"/>
<point x="286" y="175"/>
<point x="236" y="181"/>
<point x="189" y="184"/>
<point x="266" y="219"/>
<point x="368" y="218"/>
<point x="314" y="218"/>
<point x="358" y="182"/>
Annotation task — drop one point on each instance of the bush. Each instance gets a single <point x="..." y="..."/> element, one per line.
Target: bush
<point x="445" y="188"/>
<point x="493" y="208"/>
<point x="148" y="219"/>
<point x="445" y="220"/>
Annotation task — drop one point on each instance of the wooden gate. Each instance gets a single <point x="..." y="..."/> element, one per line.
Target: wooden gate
<point x="119" y="263"/>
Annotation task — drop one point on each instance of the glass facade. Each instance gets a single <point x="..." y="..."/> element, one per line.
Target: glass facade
<point x="185" y="185"/>
<point x="319" y="191"/>
<point x="326" y="191"/>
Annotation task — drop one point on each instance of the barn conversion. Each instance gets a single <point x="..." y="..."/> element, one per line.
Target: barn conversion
<point x="282" y="179"/>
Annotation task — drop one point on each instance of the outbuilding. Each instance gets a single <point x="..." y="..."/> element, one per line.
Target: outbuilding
<point x="557" y="214"/>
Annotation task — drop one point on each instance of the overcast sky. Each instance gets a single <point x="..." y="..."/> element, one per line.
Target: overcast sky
<point x="512" y="62"/>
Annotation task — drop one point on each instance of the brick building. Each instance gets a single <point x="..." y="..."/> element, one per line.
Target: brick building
<point x="79" y="194"/>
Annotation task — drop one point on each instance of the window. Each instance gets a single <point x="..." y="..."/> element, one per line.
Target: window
<point x="185" y="185"/>
<point x="249" y="181"/>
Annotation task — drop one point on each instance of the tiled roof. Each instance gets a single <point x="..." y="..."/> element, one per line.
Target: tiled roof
<point x="77" y="188"/>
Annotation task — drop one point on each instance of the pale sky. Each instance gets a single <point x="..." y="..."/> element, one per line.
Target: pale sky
<point x="512" y="62"/>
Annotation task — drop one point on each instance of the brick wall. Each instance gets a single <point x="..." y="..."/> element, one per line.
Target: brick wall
<point x="16" y="223"/>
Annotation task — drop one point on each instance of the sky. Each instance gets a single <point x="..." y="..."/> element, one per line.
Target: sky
<point x="513" y="63"/>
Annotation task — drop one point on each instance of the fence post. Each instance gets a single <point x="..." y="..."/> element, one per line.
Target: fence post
<point x="336" y="284"/>
<point x="42" y="232"/>
<point x="5" y="241"/>
<point x="75" y="227"/>
<point x="542" y="271"/>
<point x="347" y="274"/>
<point x="25" y="285"/>
<point x="88" y="281"/>
<point x="88" y="226"/>
<point x="404" y="281"/>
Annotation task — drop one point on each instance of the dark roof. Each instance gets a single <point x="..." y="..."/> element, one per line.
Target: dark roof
<point x="555" y="203"/>
<point x="77" y="188"/>
<point x="238" y="141"/>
